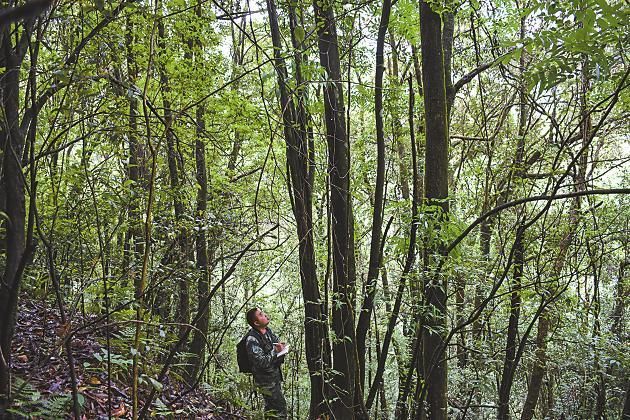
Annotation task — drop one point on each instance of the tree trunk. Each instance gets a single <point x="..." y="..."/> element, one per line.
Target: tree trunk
<point x="300" y="165"/>
<point x="538" y="372"/>
<point x="510" y="363"/>
<point x="404" y="172"/>
<point x="436" y="194"/>
<point x="12" y="190"/>
<point x="448" y="35"/>
<point x="198" y="344"/>
<point x="344" y="351"/>
<point x="511" y="359"/>
<point x="377" y="216"/>
<point x="544" y="321"/>
<point x="136" y="171"/>
<point x="409" y="264"/>
<point x="182" y="313"/>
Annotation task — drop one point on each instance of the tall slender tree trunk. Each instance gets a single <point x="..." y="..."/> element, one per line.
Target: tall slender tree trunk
<point x="622" y="297"/>
<point x="436" y="193"/>
<point x="344" y="350"/>
<point x="406" y="273"/>
<point x="622" y="293"/>
<point x="538" y="372"/>
<point x="12" y="190"/>
<point x="398" y="141"/>
<point x="600" y="384"/>
<point x="448" y="34"/>
<point x="544" y="321"/>
<point x="136" y="169"/>
<point x="416" y="361"/>
<point x="517" y="171"/>
<point x="365" y="315"/>
<point x="198" y="344"/>
<point x="510" y="363"/>
<point x="182" y="313"/>
<point x="300" y="166"/>
<point x="540" y="363"/>
<point x="415" y="288"/>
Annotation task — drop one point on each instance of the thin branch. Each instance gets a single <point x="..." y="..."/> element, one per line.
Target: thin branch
<point x="71" y="60"/>
<point x="529" y="200"/>
<point x="26" y="11"/>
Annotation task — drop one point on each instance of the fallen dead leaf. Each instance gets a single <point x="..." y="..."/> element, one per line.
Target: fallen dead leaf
<point x="94" y="380"/>
<point x="120" y="411"/>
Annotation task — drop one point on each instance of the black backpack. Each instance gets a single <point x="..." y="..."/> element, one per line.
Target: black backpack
<point x="244" y="364"/>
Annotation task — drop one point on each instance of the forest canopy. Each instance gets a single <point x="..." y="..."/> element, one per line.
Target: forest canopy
<point x="430" y="199"/>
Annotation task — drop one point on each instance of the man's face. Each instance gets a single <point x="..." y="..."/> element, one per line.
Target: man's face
<point x="262" y="320"/>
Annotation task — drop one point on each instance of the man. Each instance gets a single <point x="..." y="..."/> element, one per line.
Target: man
<point x="263" y="347"/>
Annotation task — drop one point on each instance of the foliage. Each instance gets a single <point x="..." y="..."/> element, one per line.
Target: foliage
<point x="103" y="124"/>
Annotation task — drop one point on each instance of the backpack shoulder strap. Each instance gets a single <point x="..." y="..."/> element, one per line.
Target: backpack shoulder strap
<point x="253" y="333"/>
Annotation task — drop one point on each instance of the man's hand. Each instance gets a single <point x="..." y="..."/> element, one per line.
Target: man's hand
<point x="279" y="346"/>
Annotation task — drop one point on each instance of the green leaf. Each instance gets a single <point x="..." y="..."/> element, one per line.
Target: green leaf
<point x="157" y="385"/>
<point x="299" y="34"/>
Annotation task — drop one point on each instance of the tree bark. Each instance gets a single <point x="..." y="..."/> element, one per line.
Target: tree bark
<point x="344" y="350"/>
<point x="365" y="315"/>
<point x="538" y="371"/>
<point x="409" y="264"/>
<point x="511" y="359"/>
<point x="182" y="312"/>
<point x="136" y="170"/>
<point x="300" y="165"/>
<point x="448" y="34"/>
<point x="510" y="363"/>
<point x="436" y="194"/>
<point x="198" y="344"/>
<point x="544" y="321"/>
<point x="12" y="190"/>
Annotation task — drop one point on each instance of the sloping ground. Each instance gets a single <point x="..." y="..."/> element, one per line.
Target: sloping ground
<point x="42" y="385"/>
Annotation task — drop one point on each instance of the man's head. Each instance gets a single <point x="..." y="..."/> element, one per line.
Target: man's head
<point x="256" y="318"/>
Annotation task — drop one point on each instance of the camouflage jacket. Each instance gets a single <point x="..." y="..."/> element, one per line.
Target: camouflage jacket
<point x="262" y="356"/>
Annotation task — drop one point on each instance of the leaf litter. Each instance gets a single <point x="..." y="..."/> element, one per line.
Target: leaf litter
<point x="42" y="388"/>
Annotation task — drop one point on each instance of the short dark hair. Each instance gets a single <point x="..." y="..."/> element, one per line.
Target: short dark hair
<point x="251" y="316"/>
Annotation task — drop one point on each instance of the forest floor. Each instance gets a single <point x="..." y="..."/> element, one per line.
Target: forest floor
<point x="42" y="381"/>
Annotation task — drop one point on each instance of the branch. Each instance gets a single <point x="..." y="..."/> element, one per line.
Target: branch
<point x="468" y="77"/>
<point x="238" y="15"/>
<point x="26" y="11"/>
<point x="72" y="59"/>
<point x="469" y="138"/>
<point x="528" y="200"/>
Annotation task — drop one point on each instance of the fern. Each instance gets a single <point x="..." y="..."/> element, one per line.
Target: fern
<point x="29" y="403"/>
